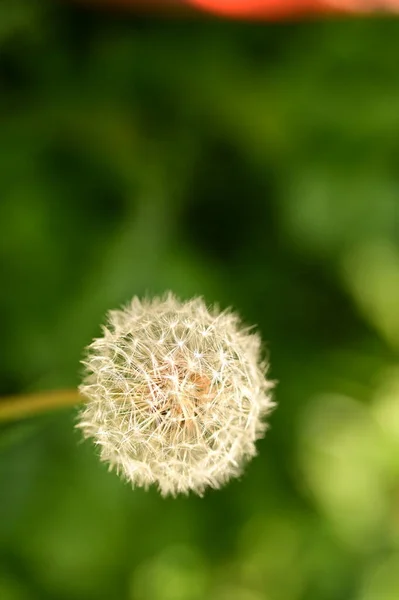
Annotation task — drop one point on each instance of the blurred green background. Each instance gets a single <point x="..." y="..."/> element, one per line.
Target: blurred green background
<point x="258" y="166"/>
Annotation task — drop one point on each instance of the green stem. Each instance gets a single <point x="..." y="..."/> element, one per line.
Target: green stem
<point x="13" y="408"/>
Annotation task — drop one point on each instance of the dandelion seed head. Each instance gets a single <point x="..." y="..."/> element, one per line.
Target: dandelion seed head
<point x="176" y="394"/>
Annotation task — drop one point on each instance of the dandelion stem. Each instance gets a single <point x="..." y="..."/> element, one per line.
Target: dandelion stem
<point x="13" y="408"/>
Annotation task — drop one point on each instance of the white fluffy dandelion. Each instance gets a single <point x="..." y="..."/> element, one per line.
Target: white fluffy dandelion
<point x="177" y="394"/>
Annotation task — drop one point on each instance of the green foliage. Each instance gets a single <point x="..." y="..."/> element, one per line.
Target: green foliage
<point x="256" y="166"/>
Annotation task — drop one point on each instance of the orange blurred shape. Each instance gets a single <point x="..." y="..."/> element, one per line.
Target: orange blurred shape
<point x="281" y="8"/>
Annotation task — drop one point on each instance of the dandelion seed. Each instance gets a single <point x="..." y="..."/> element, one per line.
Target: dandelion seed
<point x="176" y="394"/>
